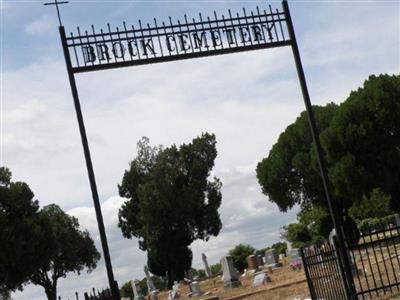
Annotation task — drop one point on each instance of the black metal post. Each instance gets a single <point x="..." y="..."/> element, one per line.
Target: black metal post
<point x="113" y="284"/>
<point x="321" y="162"/>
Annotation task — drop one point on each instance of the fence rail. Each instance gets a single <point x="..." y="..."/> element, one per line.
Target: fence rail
<point x="375" y="260"/>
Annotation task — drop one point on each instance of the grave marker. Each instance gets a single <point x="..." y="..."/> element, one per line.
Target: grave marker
<point x="230" y="275"/>
<point x="206" y="266"/>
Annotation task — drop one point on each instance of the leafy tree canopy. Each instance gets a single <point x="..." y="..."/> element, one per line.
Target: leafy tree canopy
<point x="280" y="247"/>
<point x="239" y="256"/>
<point x="290" y="175"/>
<point x="361" y="142"/>
<point x="72" y="250"/>
<point x="126" y="290"/>
<point x="171" y="202"/>
<point x="23" y="234"/>
<point x="216" y="269"/>
<point x="360" y="139"/>
<point x="298" y="234"/>
<point x="376" y="205"/>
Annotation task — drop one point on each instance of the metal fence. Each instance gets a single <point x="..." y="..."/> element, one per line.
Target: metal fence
<point x="375" y="260"/>
<point x="323" y="272"/>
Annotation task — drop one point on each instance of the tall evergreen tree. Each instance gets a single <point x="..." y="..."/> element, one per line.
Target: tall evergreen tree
<point x="171" y="202"/>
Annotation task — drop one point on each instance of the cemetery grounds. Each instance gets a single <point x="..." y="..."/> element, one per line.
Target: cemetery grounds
<point x="285" y="284"/>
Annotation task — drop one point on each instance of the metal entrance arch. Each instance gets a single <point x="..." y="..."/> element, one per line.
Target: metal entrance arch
<point x="162" y="42"/>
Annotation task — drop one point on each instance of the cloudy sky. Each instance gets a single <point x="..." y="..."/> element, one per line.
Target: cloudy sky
<point x="246" y="99"/>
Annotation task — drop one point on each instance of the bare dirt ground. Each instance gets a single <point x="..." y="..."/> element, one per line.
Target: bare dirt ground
<point x="285" y="284"/>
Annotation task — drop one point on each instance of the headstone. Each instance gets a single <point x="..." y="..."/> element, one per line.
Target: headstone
<point x="252" y="262"/>
<point x="189" y="275"/>
<point x="176" y="286"/>
<point x="296" y="262"/>
<point x="397" y="220"/>
<point x="173" y="295"/>
<point x="294" y="254"/>
<point x="260" y="279"/>
<point x="281" y="256"/>
<point x="137" y="291"/>
<point x="150" y="285"/>
<point x="153" y="295"/>
<point x="230" y="275"/>
<point x="206" y="266"/>
<point x="260" y="262"/>
<point x="332" y="236"/>
<point x="263" y="260"/>
<point x="288" y="246"/>
<point x="271" y="258"/>
<point x="196" y="290"/>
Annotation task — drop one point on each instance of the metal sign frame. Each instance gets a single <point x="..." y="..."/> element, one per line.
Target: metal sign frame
<point x="141" y="45"/>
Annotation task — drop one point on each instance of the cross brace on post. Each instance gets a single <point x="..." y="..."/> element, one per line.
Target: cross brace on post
<point x="57" y="3"/>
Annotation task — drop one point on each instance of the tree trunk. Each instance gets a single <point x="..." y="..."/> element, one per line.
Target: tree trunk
<point x="170" y="279"/>
<point x="51" y="292"/>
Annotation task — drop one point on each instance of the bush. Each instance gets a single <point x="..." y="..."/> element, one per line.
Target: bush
<point x="239" y="256"/>
<point x="216" y="269"/>
<point x="376" y="205"/>
<point x="371" y="224"/>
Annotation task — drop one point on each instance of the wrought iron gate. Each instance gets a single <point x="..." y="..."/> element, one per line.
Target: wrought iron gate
<point x="323" y="272"/>
<point x="375" y="261"/>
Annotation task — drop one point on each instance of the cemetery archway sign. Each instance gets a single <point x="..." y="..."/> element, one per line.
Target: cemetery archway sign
<point x="161" y="42"/>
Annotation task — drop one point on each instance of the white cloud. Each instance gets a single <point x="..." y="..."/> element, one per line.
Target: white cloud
<point x="26" y="112"/>
<point x="40" y="26"/>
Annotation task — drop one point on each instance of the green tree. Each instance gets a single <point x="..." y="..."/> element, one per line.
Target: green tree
<point x="239" y="256"/>
<point x="4" y="293"/>
<point x="360" y="139"/>
<point x="24" y="241"/>
<point x="363" y="140"/>
<point x="280" y="247"/>
<point x="216" y="269"/>
<point x="297" y="234"/>
<point x="126" y="290"/>
<point x="290" y="175"/>
<point x="72" y="250"/>
<point x="171" y="202"/>
<point x="317" y="220"/>
<point x="377" y="205"/>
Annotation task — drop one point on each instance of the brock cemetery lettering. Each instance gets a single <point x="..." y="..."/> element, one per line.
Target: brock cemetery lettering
<point x="154" y="45"/>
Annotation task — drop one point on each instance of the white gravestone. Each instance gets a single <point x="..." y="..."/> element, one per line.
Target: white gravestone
<point x="397" y="220"/>
<point x="332" y="236"/>
<point x="173" y="295"/>
<point x="176" y="286"/>
<point x="230" y="275"/>
<point x="206" y="266"/>
<point x="150" y="285"/>
<point x="153" y="295"/>
<point x="288" y="247"/>
<point x="260" y="262"/>
<point x="196" y="290"/>
<point x="271" y="258"/>
<point x="294" y="253"/>
<point x="260" y="279"/>
<point x="137" y="291"/>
